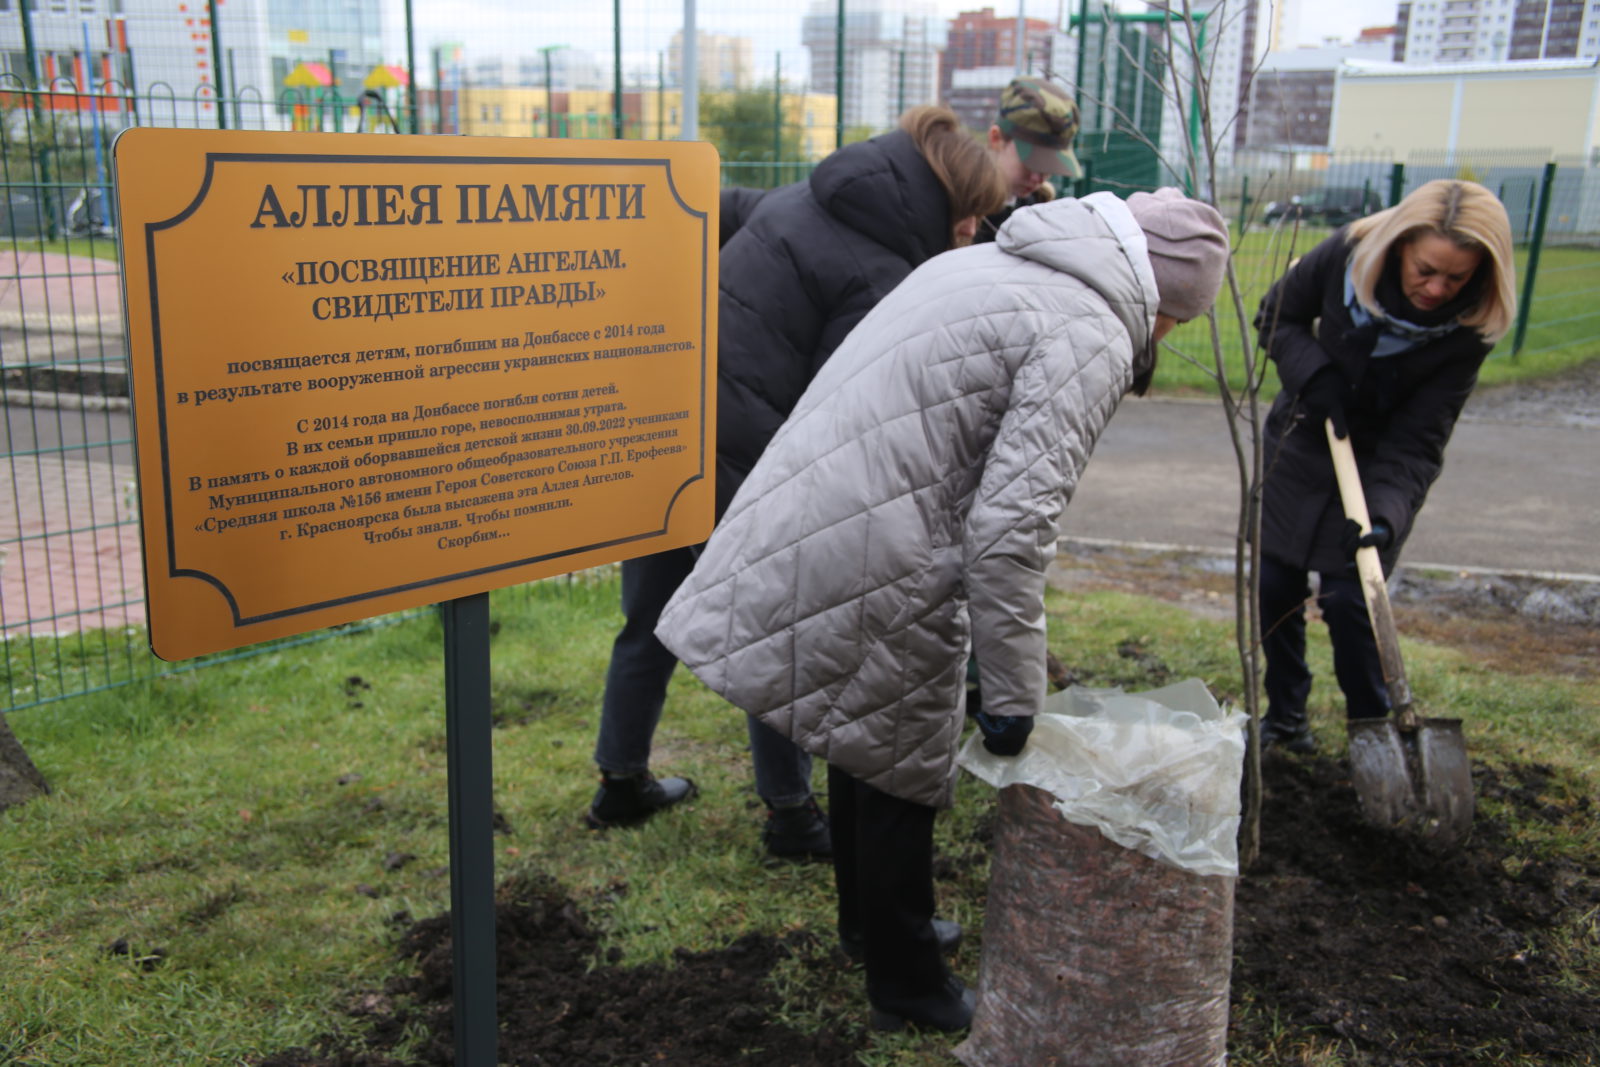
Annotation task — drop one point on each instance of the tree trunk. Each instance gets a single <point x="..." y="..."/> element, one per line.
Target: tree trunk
<point x="20" y="780"/>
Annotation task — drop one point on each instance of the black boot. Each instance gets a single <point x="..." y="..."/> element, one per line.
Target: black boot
<point x="949" y="1009"/>
<point x="797" y="833"/>
<point x="625" y="799"/>
<point x="946" y="932"/>
<point x="1288" y="730"/>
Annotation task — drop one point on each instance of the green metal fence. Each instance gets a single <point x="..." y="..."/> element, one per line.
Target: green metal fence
<point x="71" y="589"/>
<point x="71" y="595"/>
<point x="71" y="586"/>
<point x="1553" y="204"/>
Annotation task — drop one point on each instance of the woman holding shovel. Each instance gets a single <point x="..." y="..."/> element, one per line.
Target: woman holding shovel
<point x="1379" y="330"/>
<point x="904" y="516"/>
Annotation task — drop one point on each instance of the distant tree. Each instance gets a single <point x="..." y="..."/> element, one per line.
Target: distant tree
<point x="741" y="125"/>
<point x="852" y="134"/>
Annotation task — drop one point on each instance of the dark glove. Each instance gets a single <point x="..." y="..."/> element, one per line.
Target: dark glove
<point x="1004" y="735"/>
<point x="1324" y="396"/>
<point x="1352" y="540"/>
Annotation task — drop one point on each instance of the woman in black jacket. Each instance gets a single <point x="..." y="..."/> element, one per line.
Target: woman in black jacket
<point x="1380" y="328"/>
<point x="800" y="266"/>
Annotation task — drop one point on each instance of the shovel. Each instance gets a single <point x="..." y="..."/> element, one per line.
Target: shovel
<point x="1409" y="773"/>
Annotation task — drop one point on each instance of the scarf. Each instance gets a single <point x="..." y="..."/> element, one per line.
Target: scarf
<point x="1393" y="334"/>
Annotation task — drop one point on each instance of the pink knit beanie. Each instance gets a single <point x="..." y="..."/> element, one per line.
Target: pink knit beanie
<point x="1188" y="250"/>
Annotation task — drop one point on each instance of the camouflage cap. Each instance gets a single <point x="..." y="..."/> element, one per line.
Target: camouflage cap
<point x="1041" y="119"/>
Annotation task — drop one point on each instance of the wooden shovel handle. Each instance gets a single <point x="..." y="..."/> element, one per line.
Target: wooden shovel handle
<point x="1373" y="587"/>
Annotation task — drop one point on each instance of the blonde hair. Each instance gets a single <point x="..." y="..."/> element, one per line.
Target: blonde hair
<point x="968" y="172"/>
<point x="1464" y="213"/>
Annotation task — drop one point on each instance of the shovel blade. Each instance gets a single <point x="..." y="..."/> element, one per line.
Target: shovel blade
<point x="1447" y="799"/>
<point x="1418" y="781"/>
<point x="1379" y="773"/>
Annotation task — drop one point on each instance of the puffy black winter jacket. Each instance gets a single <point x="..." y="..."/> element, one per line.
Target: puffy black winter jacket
<point x="809" y="261"/>
<point x="1406" y="408"/>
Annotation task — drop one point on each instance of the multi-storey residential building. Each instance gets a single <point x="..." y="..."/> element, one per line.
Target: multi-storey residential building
<point x="169" y="51"/>
<point x="145" y="47"/>
<point x="1492" y="31"/>
<point x="1131" y="63"/>
<point x="569" y="69"/>
<point x="1234" y="45"/>
<point x="978" y="40"/>
<point x="724" y="62"/>
<point x="1292" y="92"/>
<point x="891" y="56"/>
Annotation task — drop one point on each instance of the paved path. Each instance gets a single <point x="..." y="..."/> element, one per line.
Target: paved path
<point x="69" y="550"/>
<point x="48" y="292"/>
<point x="1513" y="496"/>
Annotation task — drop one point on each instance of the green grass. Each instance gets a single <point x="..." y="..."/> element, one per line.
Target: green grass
<point x="1563" y="329"/>
<point x="239" y="817"/>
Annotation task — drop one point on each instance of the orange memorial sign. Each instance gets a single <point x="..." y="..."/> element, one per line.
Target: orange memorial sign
<point x="376" y="372"/>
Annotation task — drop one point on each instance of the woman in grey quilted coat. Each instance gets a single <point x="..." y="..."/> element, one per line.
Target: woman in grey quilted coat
<point x="800" y="266"/>
<point x="903" y="518"/>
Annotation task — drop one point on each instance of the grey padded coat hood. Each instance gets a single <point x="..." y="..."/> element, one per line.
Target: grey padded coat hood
<point x="906" y="511"/>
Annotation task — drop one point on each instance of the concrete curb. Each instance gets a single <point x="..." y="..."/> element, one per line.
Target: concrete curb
<point x="107" y="325"/>
<point x="1537" y="596"/>
<point x="38" y="398"/>
<point x="1212" y="553"/>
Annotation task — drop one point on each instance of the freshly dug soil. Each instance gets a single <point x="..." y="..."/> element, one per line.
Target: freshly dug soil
<point x="1404" y="954"/>
<point x="708" y="1008"/>
<point x="1345" y="937"/>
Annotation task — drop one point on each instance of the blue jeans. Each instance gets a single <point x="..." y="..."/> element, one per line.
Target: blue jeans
<point x="1284" y="590"/>
<point x="636" y="687"/>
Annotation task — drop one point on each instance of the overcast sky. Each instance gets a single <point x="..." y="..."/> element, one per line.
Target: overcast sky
<point x="522" y="27"/>
<point x="1342" y="18"/>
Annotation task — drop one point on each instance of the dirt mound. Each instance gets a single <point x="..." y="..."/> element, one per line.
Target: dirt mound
<point x="560" y="1005"/>
<point x="1522" y="624"/>
<point x="1345" y="937"/>
<point x="1410" y="955"/>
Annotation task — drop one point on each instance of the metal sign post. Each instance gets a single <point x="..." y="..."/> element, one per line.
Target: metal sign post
<point x="468" y="730"/>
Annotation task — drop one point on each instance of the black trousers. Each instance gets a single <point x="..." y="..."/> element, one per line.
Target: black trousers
<point x="883" y="866"/>
<point x="1284" y="591"/>
<point x="636" y="688"/>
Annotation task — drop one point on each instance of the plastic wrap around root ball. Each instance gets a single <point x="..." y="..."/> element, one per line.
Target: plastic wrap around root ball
<point x="1096" y="956"/>
<point x="1157" y="772"/>
<point x="1108" y="932"/>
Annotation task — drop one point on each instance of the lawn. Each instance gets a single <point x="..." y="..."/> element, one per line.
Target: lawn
<point x="217" y="871"/>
